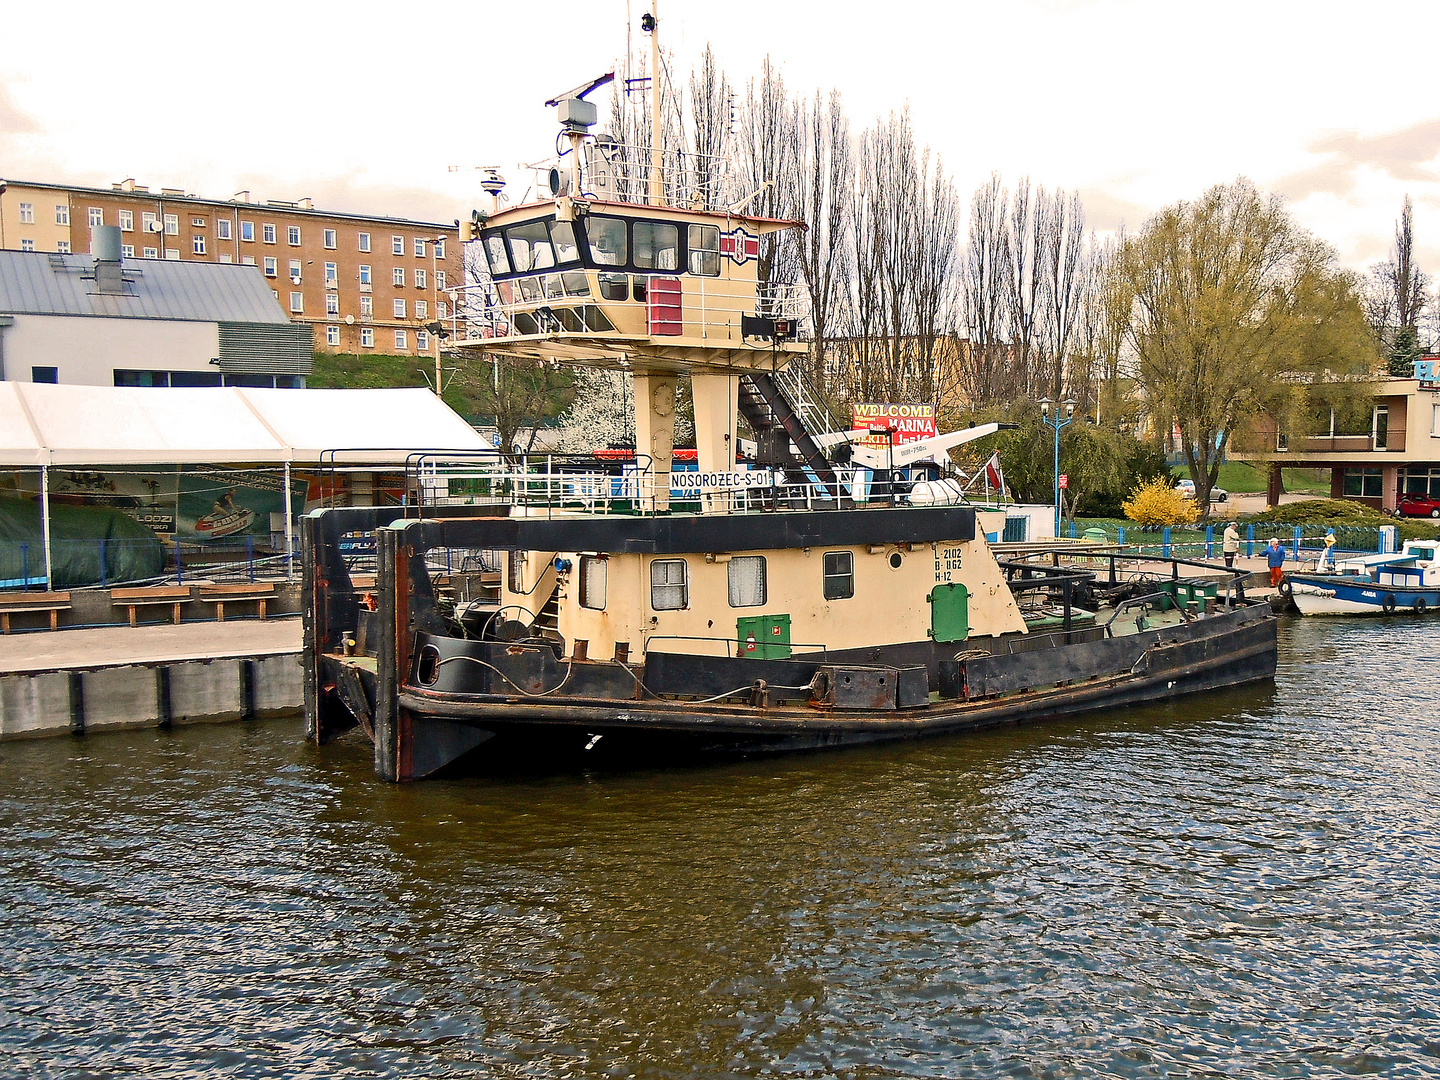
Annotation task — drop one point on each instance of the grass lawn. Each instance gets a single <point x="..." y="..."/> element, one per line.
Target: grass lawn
<point x="1245" y="478"/>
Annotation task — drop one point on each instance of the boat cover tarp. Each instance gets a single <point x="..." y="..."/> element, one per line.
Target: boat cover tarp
<point x="130" y="551"/>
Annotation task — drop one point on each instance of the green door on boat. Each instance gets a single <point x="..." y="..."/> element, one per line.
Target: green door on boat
<point x="950" y="612"/>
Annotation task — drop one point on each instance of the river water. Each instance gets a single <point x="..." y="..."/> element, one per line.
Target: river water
<point x="1234" y="885"/>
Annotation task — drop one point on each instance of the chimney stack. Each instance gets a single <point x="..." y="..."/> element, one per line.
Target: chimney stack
<point x="105" y="249"/>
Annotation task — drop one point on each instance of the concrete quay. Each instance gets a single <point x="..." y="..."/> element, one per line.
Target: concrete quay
<point x="75" y="681"/>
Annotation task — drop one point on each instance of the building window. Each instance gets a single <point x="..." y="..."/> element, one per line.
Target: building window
<point x="332" y="303"/>
<point x="27" y="244"/>
<point x="247" y="232"/>
<point x="1421" y="482"/>
<point x="367" y="337"/>
<point x="419" y="248"/>
<point x="422" y="341"/>
<point x="399" y="309"/>
<point x="297" y="303"/>
<point x="332" y="335"/>
<point x="839" y="575"/>
<point x="222" y="228"/>
<point x="1365" y="483"/>
<point x="151" y="253"/>
<point x="172" y="224"/>
<point x="62" y="213"/>
<point x="364" y="241"/>
<point x="247" y="260"/>
<point x="97" y="217"/>
<point x="293" y="233"/>
<point x="367" y="307"/>
<point x="745" y="575"/>
<point x="668" y="589"/>
<point x="594" y="577"/>
<point x="127" y="251"/>
<point x="1380" y="427"/>
<point x="442" y="309"/>
<point x="397" y="245"/>
<point x="295" y="270"/>
<point x="63" y="247"/>
<point x="419" y="278"/>
<point x="330" y="238"/>
<point x="148" y="221"/>
<point x="197" y="244"/>
<point x="439" y="247"/>
<point x="364" y="273"/>
<point x="45" y="374"/>
<point x="397" y="277"/>
<point x="127" y="220"/>
<point x="225" y="257"/>
<point x="400" y="340"/>
<point x="422" y="309"/>
<point x="27" y="213"/>
<point x="267" y="233"/>
<point x="332" y="275"/>
<point x="198" y="223"/>
<point x="272" y="267"/>
<point x="173" y="254"/>
<point x="440" y="280"/>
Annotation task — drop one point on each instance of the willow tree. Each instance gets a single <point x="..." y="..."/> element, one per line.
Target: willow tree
<point x="1237" y="311"/>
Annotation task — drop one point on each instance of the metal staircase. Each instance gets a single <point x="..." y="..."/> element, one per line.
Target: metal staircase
<point x="768" y="410"/>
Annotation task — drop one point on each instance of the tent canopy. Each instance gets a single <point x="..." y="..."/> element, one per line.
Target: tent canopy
<point x="49" y="424"/>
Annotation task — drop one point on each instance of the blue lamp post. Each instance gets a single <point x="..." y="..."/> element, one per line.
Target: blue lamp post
<point x="1057" y="425"/>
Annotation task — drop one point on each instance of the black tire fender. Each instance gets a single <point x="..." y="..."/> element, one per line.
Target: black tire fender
<point x="1418" y="606"/>
<point x="1388" y="604"/>
<point x="1285" y="588"/>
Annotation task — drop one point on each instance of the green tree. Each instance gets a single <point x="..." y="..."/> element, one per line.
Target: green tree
<point x="1234" y="311"/>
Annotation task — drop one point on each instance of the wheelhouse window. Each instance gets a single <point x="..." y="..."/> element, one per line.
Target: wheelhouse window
<point x="495" y="254"/>
<point x="745" y="575"/>
<point x="609" y="244"/>
<point x="594" y="576"/>
<point x="668" y="588"/>
<point x="567" y="251"/>
<point x="704" y="244"/>
<point x="657" y="245"/>
<point x="839" y="575"/>
<point x="614" y="286"/>
<point x="530" y="247"/>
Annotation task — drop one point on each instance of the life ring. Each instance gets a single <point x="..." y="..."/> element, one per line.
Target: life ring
<point x="1418" y="606"/>
<point x="1388" y="604"/>
<point x="1285" y="588"/>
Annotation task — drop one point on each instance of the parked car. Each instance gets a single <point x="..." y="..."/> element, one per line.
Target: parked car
<point x="1411" y="505"/>
<point x="1187" y="488"/>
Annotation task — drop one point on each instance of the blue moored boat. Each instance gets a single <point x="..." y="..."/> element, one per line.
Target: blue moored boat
<point x="1407" y="580"/>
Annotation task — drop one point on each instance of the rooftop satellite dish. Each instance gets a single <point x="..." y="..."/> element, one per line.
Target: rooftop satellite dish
<point x="157" y="226"/>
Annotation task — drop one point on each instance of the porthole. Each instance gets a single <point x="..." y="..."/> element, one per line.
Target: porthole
<point x="427" y="667"/>
<point x="896" y="560"/>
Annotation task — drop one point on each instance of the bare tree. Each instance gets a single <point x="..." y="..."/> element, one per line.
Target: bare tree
<point x="1396" y="298"/>
<point x="827" y="177"/>
<point x="769" y="170"/>
<point x="712" y="101"/>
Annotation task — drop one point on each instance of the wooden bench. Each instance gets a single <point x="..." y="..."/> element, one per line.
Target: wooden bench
<point x="16" y="603"/>
<point x="220" y="595"/>
<point x="173" y="596"/>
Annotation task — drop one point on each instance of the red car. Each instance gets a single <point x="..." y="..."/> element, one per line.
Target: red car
<point x="1412" y="505"/>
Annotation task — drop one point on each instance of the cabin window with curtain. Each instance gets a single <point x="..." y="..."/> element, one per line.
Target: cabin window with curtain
<point x="530" y="247"/>
<point x="668" y="588"/>
<point x="745" y="575"/>
<point x="594" y="576"/>
<point x="608" y="242"/>
<point x="657" y="245"/>
<point x="839" y="575"/>
<point x="704" y="243"/>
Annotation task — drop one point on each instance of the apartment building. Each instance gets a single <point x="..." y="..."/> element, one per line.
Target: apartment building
<point x="364" y="284"/>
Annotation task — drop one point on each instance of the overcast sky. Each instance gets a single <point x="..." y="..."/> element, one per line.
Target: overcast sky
<point x="389" y="109"/>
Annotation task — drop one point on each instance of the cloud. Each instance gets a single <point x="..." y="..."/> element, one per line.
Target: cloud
<point x="14" y="120"/>
<point x="1107" y="212"/>
<point x="1402" y="155"/>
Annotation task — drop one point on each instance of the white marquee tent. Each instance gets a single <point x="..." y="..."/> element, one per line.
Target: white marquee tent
<point x="48" y="425"/>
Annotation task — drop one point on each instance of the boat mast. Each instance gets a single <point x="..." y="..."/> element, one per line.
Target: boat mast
<point x="657" y="187"/>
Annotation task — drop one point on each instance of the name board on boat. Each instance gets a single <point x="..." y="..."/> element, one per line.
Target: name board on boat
<point x="690" y="480"/>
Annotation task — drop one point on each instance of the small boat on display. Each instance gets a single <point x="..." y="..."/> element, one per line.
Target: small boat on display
<point x="1407" y="580"/>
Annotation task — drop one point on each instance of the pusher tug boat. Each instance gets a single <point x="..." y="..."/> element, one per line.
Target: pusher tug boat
<point x="540" y="614"/>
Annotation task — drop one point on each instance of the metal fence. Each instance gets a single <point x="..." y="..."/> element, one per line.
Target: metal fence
<point x="1300" y="541"/>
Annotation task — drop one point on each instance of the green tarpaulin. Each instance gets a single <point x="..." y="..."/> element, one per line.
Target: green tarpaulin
<point x="90" y="545"/>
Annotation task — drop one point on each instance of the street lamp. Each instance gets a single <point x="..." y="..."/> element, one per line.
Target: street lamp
<point x="1057" y="425"/>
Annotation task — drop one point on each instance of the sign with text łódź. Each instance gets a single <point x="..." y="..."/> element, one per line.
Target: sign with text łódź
<point x="911" y="422"/>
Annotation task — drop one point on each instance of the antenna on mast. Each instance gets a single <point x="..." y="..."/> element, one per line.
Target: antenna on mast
<point x="577" y="116"/>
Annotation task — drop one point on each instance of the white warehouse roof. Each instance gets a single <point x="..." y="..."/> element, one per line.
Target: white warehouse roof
<point x="58" y="424"/>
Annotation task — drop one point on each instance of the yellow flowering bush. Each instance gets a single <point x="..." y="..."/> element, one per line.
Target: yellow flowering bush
<point x="1157" y="503"/>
